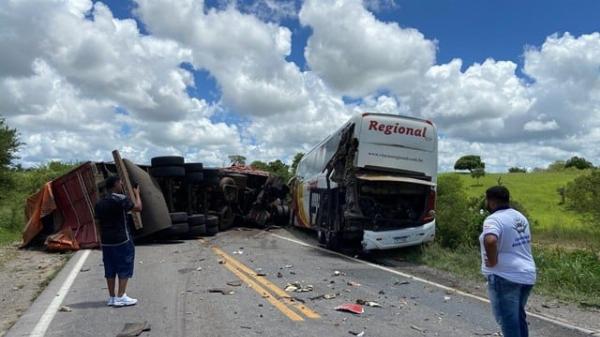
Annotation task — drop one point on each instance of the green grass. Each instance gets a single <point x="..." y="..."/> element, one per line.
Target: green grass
<point x="552" y="223"/>
<point x="8" y="236"/>
<point x="16" y="186"/>
<point x="572" y="276"/>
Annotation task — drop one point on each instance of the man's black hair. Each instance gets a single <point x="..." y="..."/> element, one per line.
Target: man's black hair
<point x="111" y="182"/>
<point x="499" y="194"/>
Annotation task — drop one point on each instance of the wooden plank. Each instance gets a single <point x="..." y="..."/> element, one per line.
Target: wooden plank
<point x="124" y="175"/>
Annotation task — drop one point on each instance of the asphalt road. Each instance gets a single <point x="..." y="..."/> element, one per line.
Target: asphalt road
<point x="172" y="282"/>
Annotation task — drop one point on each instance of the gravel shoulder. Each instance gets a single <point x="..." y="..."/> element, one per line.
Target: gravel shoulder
<point x="24" y="273"/>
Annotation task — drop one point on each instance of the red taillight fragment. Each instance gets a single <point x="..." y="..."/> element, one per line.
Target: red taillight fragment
<point x="429" y="211"/>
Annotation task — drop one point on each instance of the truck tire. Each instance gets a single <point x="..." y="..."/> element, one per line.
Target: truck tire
<point x="227" y="218"/>
<point x="197" y="230"/>
<point x="212" y="231"/>
<point x="212" y="225"/>
<point x="175" y="231"/>
<point x="167" y="171"/>
<point x="178" y="217"/>
<point x="167" y="161"/>
<point x="193" y="167"/>
<point x="194" y="177"/>
<point x="211" y="176"/>
<point x="196" y="220"/>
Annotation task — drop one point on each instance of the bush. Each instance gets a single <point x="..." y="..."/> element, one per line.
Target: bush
<point x="21" y="184"/>
<point x="583" y="194"/>
<point x="458" y="217"/>
<point x="517" y="170"/>
<point x="579" y="163"/>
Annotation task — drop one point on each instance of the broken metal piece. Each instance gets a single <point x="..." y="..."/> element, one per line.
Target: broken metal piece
<point x="234" y="283"/>
<point x="421" y="330"/>
<point x="298" y="288"/>
<point x="221" y="291"/>
<point x="368" y="303"/>
<point x="357" y="334"/>
<point x="64" y="308"/>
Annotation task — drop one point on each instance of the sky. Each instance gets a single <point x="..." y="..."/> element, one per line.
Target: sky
<point x="517" y="82"/>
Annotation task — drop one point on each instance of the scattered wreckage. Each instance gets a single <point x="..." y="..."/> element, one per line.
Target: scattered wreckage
<point x="181" y="200"/>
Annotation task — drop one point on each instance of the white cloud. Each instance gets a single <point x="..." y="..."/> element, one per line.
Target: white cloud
<point x="243" y="53"/>
<point x="357" y="54"/>
<point x="63" y="77"/>
<point x="540" y="126"/>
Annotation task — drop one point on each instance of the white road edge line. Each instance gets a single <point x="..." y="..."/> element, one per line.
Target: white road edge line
<point x="546" y="318"/>
<point x="42" y="326"/>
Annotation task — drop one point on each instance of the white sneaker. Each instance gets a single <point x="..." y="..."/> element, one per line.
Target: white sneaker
<point x="124" y="301"/>
<point x="111" y="301"/>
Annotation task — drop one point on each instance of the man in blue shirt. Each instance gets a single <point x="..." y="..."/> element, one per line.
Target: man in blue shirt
<point x="118" y="251"/>
<point x="507" y="262"/>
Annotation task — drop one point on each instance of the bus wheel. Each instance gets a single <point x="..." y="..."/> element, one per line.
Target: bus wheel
<point x="322" y="236"/>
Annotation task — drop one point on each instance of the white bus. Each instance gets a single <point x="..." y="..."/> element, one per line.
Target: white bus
<point x="373" y="180"/>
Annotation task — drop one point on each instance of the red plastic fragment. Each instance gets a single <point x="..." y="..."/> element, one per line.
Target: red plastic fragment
<point x="351" y="307"/>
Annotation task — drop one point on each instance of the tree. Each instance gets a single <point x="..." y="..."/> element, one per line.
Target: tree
<point x="9" y="144"/>
<point x="237" y="159"/>
<point x="260" y="165"/>
<point x="296" y="161"/>
<point x="469" y="162"/>
<point x="557" y="165"/>
<point x="578" y="162"/>
<point x="477" y="173"/>
<point x="517" y="170"/>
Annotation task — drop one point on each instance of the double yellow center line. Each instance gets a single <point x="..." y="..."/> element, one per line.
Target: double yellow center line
<point x="290" y="307"/>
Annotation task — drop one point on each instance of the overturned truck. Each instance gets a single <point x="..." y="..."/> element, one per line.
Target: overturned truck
<point x="181" y="200"/>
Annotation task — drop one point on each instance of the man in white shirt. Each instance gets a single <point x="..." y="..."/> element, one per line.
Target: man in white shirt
<point x="507" y="262"/>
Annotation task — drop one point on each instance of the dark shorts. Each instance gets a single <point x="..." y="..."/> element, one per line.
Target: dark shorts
<point x="118" y="260"/>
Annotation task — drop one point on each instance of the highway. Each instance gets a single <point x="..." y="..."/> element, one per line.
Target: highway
<point x="235" y="284"/>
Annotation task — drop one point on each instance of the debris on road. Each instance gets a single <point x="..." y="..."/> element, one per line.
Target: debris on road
<point x="351" y="307"/>
<point x="368" y="303"/>
<point x="324" y="296"/>
<point x="298" y="288"/>
<point x="279" y="275"/>
<point x="199" y="269"/>
<point x="221" y="291"/>
<point x="401" y="283"/>
<point x="357" y="334"/>
<point x="84" y="269"/>
<point x="447" y="298"/>
<point x="353" y="284"/>
<point x="288" y="266"/>
<point x="234" y="283"/>
<point x="134" y="329"/>
<point x="421" y="330"/>
<point x="238" y="252"/>
<point x="64" y="308"/>
<point x="338" y="273"/>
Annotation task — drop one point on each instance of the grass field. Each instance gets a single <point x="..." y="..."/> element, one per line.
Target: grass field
<point x="552" y="223"/>
<point x="566" y="244"/>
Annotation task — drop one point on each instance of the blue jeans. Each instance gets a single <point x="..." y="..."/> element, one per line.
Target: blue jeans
<point x="508" y="301"/>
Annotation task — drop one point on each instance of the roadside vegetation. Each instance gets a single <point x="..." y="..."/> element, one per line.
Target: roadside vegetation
<point x="561" y="203"/>
<point x="16" y="183"/>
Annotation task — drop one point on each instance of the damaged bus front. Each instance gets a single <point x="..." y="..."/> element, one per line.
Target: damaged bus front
<point x="372" y="181"/>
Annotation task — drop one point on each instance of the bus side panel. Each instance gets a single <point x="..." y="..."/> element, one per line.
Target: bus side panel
<point x="386" y="156"/>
